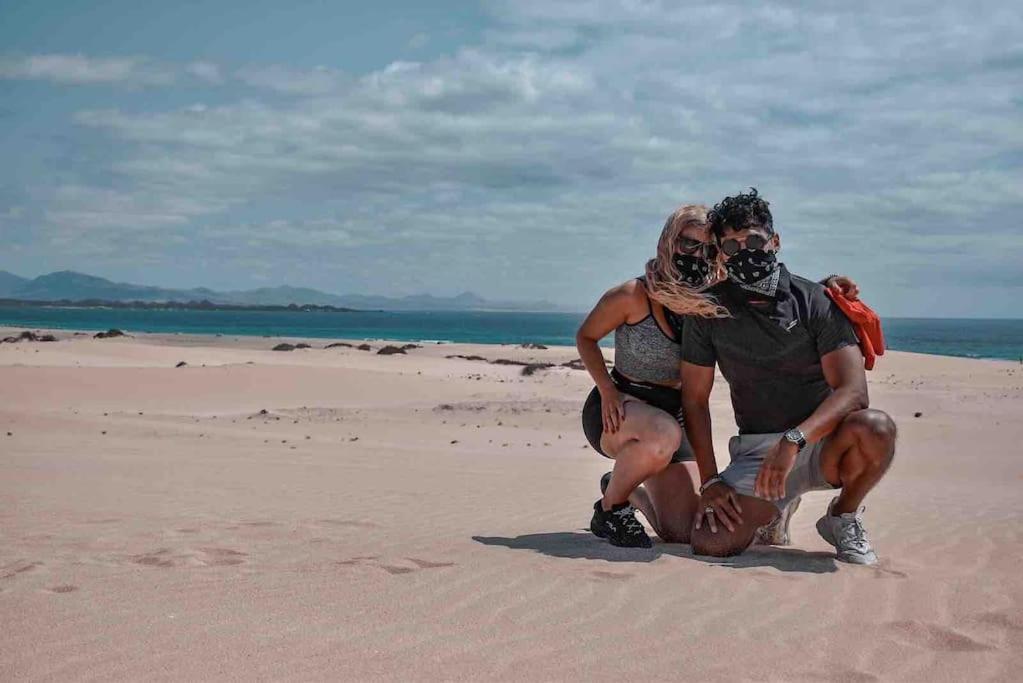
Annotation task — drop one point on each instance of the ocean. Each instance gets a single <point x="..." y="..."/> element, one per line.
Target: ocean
<point x="972" y="338"/>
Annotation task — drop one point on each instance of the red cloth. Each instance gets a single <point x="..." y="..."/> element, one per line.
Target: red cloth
<point x="866" y="323"/>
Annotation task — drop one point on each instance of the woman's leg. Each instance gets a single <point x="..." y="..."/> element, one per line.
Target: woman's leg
<point x="642" y="448"/>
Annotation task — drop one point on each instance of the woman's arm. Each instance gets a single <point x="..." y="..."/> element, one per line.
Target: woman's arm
<point x="613" y="309"/>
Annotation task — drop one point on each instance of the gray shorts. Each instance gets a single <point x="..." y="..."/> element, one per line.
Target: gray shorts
<point x="747" y="452"/>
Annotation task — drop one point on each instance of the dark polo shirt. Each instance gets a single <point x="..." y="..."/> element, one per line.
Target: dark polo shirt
<point x="770" y="353"/>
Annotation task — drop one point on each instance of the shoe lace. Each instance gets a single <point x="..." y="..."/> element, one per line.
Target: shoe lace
<point x="854" y="535"/>
<point x="627" y="518"/>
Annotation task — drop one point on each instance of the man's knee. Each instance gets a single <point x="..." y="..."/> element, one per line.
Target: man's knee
<point x="875" y="434"/>
<point x="872" y="426"/>
<point x="720" y="544"/>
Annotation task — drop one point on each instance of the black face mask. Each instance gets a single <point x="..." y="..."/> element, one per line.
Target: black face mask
<point x="754" y="270"/>
<point x="692" y="270"/>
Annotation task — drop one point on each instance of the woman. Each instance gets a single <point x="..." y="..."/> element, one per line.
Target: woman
<point x="633" y="414"/>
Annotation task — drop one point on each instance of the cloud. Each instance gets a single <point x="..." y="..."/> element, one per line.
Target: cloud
<point x="319" y="81"/>
<point x="545" y="160"/>
<point x="206" y="71"/>
<point x="83" y="70"/>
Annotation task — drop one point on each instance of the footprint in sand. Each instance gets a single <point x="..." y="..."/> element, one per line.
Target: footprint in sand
<point x="164" y="558"/>
<point x="1005" y="620"/>
<point x="394" y="569"/>
<point x="838" y="674"/>
<point x="935" y="638"/>
<point x="611" y="576"/>
<point x="155" y="558"/>
<point x="222" y="557"/>
<point x="66" y="588"/>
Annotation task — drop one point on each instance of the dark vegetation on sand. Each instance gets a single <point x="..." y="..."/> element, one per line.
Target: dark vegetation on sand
<point x="203" y="305"/>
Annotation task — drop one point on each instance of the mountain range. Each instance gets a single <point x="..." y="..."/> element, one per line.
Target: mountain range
<point x="73" y="286"/>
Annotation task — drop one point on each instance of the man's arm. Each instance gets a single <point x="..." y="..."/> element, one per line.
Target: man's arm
<point x="715" y="495"/>
<point x="697" y="383"/>
<point x="698" y="360"/>
<point x="843" y="370"/>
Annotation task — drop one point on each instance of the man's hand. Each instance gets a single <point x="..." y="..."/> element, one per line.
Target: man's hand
<point x="844" y="285"/>
<point x="612" y="409"/>
<point x="775" y="470"/>
<point x="721" y="498"/>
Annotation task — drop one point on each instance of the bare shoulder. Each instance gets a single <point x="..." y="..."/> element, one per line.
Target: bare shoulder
<point x="630" y="298"/>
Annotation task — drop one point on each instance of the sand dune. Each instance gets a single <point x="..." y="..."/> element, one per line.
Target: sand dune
<point x="421" y="517"/>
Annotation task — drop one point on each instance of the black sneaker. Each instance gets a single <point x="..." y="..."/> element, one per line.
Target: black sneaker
<point x="619" y="526"/>
<point x="605" y="481"/>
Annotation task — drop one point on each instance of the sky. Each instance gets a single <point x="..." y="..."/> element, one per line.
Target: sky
<point x="520" y="150"/>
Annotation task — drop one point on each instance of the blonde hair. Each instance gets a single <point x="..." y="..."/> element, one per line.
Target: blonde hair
<point x="663" y="282"/>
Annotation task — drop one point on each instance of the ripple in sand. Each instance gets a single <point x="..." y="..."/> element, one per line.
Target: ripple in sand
<point x="935" y="637"/>
<point x="20" y="567"/>
<point x="391" y="568"/>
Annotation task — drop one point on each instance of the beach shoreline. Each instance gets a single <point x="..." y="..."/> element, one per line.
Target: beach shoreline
<point x="559" y="352"/>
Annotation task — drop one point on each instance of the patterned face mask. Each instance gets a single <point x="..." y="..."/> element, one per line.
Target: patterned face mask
<point x="755" y="270"/>
<point x="693" y="270"/>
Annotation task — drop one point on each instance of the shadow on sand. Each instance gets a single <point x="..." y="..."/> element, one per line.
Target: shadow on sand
<point x="583" y="545"/>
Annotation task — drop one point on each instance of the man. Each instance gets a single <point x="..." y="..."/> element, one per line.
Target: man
<point x="799" y="393"/>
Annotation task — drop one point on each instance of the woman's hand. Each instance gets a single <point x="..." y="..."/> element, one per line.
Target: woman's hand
<point x="844" y="285"/>
<point x="718" y="503"/>
<point x="612" y="409"/>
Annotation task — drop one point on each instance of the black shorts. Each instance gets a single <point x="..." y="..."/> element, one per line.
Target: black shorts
<point x="667" y="399"/>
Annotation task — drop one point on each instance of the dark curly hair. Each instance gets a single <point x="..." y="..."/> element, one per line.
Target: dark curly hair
<point x="741" y="212"/>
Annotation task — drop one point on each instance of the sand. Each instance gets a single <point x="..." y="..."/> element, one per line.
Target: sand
<point x="415" y="517"/>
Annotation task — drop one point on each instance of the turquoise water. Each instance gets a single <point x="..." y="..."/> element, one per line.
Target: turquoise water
<point x="948" y="337"/>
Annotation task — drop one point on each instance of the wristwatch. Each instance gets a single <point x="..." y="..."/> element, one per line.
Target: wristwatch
<point x="796" y="436"/>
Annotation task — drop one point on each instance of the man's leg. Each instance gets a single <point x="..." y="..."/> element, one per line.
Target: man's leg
<point x="672" y="494"/>
<point x="756" y="512"/>
<point x="857" y="455"/>
<point x="854" y="457"/>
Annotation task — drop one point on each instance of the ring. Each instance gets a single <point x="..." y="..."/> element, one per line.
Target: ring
<point x="708" y="510"/>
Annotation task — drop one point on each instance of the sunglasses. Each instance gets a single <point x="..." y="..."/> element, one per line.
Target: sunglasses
<point x="732" y="246"/>
<point x="691" y="247"/>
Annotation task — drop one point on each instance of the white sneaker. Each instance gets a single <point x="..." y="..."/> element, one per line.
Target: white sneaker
<point x="777" y="532"/>
<point x="847" y="534"/>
